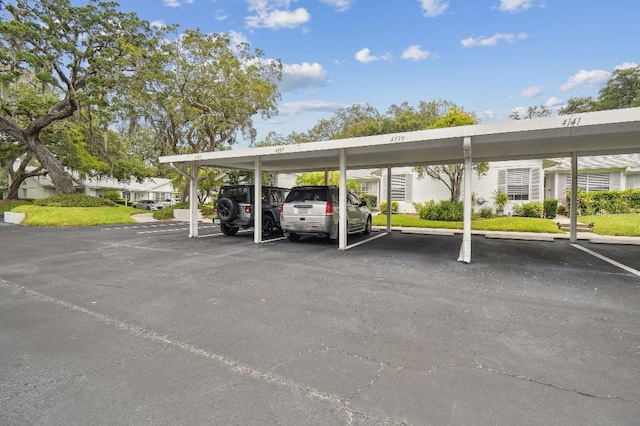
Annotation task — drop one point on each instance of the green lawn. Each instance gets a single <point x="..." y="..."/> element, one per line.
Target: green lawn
<point x="515" y="224"/>
<point x="614" y="224"/>
<point x="75" y="216"/>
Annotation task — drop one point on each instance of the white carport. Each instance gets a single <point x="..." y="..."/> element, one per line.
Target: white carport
<point x="595" y="133"/>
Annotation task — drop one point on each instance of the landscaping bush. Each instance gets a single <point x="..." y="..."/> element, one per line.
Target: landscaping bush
<point x="207" y="209"/>
<point x="486" y="213"/>
<point x="182" y="205"/>
<point x="528" y="210"/>
<point x="445" y="210"/>
<point x="371" y="200"/>
<point x="163" y="214"/>
<point x="74" y="200"/>
<point x="592" y="203"/>
<point x="550" y="208"/>
<point x="395" y="206"/>
<point x="113" y="196"/>
<point x="562" y="210"/>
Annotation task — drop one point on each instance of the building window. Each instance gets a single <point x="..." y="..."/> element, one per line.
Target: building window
<point x="398" y="187"/>
<point x="367" y="187"/>
<point x="592" y="182"/>
<point x="518" y="184"/>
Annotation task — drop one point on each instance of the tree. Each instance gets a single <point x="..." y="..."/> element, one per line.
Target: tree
<point x="530" y="112"/>
<point x="317" y="178"/>
<point x="78" y="54"/>
<point x="621" y="91"/>
<point x="451" y="174"/>
<point x="201" y="92"/>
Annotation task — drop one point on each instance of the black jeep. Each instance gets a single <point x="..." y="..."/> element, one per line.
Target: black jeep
<point x="235" y="208"/>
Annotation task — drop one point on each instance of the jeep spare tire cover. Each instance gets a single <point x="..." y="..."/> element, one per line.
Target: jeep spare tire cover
<point x="226" y="209"/>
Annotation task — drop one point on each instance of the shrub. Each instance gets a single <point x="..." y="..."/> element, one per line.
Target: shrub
<point x="486" y="213"/>
<point x="370" y="199"/>
<point x="182" y="205"/>
<point x="562" y="210"/>
<point x="550" y="208"/>
<point x="395" y="206"/>
<point x="418" y="206"/>
<point x="163" y="214"/>
<point x="445" y="210"/>
<point x="591" y="203"/>
<point x="112" y="195"/>
<point x="74" y="200"/>
<point x="206" y="209"/>
<point x="528" y="210"/>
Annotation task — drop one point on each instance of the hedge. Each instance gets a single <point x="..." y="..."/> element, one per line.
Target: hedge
<point x="590" y="203"/>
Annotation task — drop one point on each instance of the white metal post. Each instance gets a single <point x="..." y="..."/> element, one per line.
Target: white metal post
<point x="193" y="202"/>
<point x="342" y="227"/>
<point x="388" y="212"/>
<point x="465" y="248"/>
<point x="326" y="176"/>
<point x="257" y="214"/>
<point x="573" y="207"/>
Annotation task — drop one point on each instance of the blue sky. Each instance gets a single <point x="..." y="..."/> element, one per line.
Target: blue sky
<point x="488" y="56"/>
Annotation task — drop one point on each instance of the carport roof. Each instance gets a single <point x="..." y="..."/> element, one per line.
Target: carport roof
<point x="594" y="133"/>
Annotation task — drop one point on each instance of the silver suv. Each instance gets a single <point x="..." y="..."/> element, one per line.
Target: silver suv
<point x="313" y="210"/>
<point x="235" y="208"/>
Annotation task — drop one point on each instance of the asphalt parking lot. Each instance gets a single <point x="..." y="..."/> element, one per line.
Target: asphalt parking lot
<point x="138" y="324"/>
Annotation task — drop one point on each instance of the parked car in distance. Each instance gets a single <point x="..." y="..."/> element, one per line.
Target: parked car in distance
<point x="313" y="210"/>
<point x="147" y="205"/>
<point x="236" y="204"/>
<point x="168" y="202"/>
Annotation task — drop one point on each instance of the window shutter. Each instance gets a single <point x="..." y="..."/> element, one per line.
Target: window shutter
<point x="616" y="178"/>
<point x="535" y="184"/>
<point x="502" y="180"/>
<point x="408" y="191"/>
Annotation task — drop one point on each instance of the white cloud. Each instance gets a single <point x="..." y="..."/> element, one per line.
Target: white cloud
<point x="415" y="53"/>
<point x="172" y="3"/>
<point x="339" y="5"/>
<point x="157" y="24"/>
<point x="236" y="38"/>
<point x="433" y="7"/>
<point x="493" y="40"/>
<point x="528" y="92"/>
<point x="296" y="108"/>
<point x="220" y="15"/>
<point x="302" y="75"/>
<point x="364" y="56"/>
<point x="268" y="15"/>
<point x="626" y="65"/>
<point x="515" y="6"/>
<point x="554" y="102"/>
<point x="585" y="78"/>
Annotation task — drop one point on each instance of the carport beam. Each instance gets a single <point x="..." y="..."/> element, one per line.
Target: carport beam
<point x="465" y="249"/>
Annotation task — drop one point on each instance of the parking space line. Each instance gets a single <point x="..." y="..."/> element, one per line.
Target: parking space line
<point x="606" y="259"/>
<point x="365" y="241"/>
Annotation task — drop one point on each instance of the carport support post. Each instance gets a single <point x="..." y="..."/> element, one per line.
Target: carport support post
<point x="193" y="202"/>
<point x="465" y="249"/>
<point x="573" y="206"/>
<point x="257" y="214"/>
<point x="342" y="227"/>
<point x="388" y="212"/>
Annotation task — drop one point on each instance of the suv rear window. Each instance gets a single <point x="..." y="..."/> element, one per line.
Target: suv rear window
<point x="296" y="195"/>
<point x="239" y="195"/>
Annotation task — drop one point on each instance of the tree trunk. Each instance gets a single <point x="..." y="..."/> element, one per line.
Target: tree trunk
<point x="14" y="189"/>
<point x="60" y="178"/>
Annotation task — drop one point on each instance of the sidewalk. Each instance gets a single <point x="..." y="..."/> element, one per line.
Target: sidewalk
<point x="530" y="236"/>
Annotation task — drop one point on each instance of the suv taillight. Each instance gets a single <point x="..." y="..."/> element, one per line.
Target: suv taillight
<point x="247" y="209"/>
<point x="329" y="209"/>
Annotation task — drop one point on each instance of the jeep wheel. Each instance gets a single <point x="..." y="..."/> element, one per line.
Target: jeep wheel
<point x="226" y="210"/>
<point x="293" y="237"/>
<point x="367" y="227"/>
<point x="228" y="230"/>
<point x="267" y="226"/>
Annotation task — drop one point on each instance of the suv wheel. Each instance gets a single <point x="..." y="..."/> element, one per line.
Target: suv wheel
<point x="226" y="210"/>
<point x="293" y="237"/>
<point x="267" y="226"/>
<point x="367" y="227"/>
<point x="228" y="230"/>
